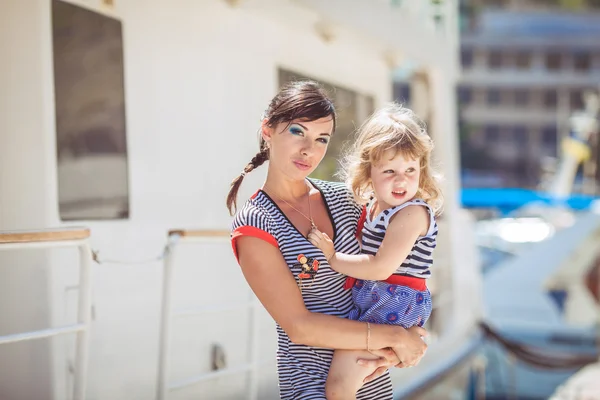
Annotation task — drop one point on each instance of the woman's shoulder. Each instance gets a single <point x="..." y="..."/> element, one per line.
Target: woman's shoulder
<point x="338" y="196"/>
<point x="253" y="213"/>
<point x="331" y="187"/>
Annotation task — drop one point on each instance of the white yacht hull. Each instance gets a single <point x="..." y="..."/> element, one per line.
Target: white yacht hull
<point x="197" y="76"/>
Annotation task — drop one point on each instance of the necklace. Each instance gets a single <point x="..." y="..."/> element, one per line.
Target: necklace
<point x="309" y="217"/>
<point x="308" y="266"/>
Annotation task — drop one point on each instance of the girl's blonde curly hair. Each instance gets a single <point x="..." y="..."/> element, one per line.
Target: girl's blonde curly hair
<point x="397" y="128"/>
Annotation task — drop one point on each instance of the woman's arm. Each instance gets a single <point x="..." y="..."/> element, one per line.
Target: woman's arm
<point x="274" y="285"/>
<point x="402" y="233"/>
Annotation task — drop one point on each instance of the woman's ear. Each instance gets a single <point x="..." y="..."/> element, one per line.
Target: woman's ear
<point x="266" y="132"/>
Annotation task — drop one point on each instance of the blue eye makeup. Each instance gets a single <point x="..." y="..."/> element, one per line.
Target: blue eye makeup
<point x="299" y="131"/>
<point x="294" y="130"/>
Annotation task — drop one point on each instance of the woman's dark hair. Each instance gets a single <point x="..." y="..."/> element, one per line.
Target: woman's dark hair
<point x="300" y="100"/>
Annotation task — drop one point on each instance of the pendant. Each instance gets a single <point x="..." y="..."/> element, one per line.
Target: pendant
<point x="309" y="267"/>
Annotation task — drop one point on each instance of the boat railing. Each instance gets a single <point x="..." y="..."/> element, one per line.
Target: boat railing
<point x="57" y="238"/>
<point x="181" y="237"/>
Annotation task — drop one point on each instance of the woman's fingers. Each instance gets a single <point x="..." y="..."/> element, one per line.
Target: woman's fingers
<point x="411" y="348"/>
<point x="387" y="354"/>
<point x="378" y="372"/>
<point x="373" y="364"/>
<point x="419" y="331"/>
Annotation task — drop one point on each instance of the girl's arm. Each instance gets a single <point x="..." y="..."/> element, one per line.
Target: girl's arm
<point x="269" y="277"/>
<point x="403" y="231"/>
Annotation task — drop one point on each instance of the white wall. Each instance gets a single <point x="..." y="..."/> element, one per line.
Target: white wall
<point x="26" y="196"/>
<point x="198" y="75"/>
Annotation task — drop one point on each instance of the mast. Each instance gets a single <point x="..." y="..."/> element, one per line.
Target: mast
<point x="575" y="147"/>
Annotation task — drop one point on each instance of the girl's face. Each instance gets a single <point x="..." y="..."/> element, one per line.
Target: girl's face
<point x="395" y="179"/>
<point x="297" y="148"/>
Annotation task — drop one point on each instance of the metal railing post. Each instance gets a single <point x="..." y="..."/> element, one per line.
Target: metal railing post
<point x="165" y="320"/>
<point x="57" y="238"/>
<point x="167" y="314"/>
<point x="85" y="318"/>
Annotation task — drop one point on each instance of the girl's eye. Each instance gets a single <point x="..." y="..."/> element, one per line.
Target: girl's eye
<point x="388" y="171"/>
<point x="411" y="169"/>
<point x="323" y="140"/>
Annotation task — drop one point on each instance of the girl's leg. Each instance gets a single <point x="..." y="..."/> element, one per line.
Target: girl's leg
<point x="345" y="375"/>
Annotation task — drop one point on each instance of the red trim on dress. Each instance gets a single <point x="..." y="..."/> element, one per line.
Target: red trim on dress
<point x="248" y="230"/>
<point x="361" y="222"/>
<point x="412" y="282"/>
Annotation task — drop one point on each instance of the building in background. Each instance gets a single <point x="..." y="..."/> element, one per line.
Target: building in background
<point x="524" y="72"/>
<point x="525" y="66"/>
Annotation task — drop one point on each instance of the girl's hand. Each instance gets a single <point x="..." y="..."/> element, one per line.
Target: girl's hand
<point x="323" y="242"/>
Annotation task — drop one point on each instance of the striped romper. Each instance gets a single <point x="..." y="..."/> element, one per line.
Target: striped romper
<point x="402" y="299"/>
<point x="303" y="369"/>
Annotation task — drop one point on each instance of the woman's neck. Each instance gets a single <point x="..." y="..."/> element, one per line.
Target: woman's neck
<point x="284" y="188"/>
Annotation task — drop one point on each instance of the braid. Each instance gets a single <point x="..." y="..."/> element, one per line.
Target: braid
<point x="258" y="160"/>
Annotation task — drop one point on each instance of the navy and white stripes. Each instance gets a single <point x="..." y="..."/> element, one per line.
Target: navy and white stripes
<point x="420" y="259"/>
<point x="303" y="369"/>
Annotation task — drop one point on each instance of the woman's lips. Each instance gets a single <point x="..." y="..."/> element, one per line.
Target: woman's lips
<point x="302" y="166"/>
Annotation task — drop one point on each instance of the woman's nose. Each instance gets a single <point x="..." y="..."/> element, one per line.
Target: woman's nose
<point x="307" y="147"/>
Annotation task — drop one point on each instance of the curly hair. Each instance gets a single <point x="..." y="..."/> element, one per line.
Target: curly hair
<point x="397" y="128"/>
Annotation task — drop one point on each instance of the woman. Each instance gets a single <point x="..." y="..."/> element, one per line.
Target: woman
<point x="288" y="274"/>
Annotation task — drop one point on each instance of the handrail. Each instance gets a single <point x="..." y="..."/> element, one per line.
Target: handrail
<point x="54" y="238"/>
<point x="189" y="236"/>
<point x="197" y="233"/>
<point x="44" y="235"/>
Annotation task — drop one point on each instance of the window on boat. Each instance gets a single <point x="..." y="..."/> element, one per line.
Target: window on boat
<point x="91" y="137"/>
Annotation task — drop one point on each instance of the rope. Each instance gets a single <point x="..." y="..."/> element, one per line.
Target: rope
<point x="536" y="357"/>
<point x="96" y="258"/>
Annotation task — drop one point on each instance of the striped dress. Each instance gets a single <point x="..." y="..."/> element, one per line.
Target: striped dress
<point x="303" y="369"/>
<point x="402" y="299"/>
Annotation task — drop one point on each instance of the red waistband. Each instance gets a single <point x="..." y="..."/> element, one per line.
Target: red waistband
<point x="412" y="282"/>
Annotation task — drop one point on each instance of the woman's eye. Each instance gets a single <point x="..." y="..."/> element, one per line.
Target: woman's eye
<point x="323" y="140"/>
<point x="296" y="131"/>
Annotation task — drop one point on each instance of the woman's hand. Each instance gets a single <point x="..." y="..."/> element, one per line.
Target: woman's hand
<point x="410" y="347"/>
<point x="322" y="241"/>
<point x="409" y="351"/>
<point x="387" y="358"/>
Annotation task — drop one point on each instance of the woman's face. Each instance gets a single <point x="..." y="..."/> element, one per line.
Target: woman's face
<point x="297" y="148"/>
